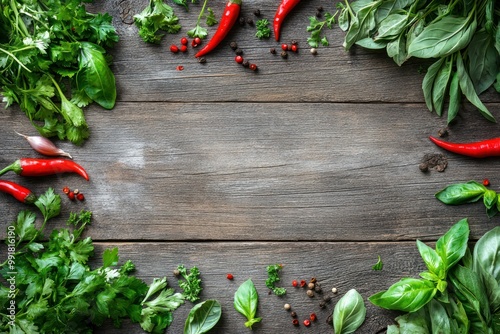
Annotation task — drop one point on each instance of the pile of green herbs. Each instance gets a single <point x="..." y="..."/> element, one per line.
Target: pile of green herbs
<point x="462" y="36"/>
<point x="52" y="286"/>
<point x="53" y="63"/>
<point x="458" y="293"/>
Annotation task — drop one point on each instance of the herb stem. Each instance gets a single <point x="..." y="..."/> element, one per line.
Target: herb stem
<point x="201" y="12"/>
<point x="14" y="57"/>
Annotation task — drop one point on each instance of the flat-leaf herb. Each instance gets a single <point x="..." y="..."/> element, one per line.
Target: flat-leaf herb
<point x="246" y="300"/>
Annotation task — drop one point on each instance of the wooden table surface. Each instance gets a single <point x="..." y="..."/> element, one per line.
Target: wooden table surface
<point x="311" y="162"/>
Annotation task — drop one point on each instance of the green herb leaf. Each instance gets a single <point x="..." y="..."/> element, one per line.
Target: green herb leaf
<point x="263" y="30"/>
<point x="461" y="193"/>
<point x="432" y="260"/>
<point x="428" y="82"/>
<point x="24" y="227"/>
<point x="211" y="20"/>
<point x="409" y="295"/>
<point x="379" y="265"/>
<point x="484" y="61"/>
<point x="49" y="204"/>
<point x="191" y="285"/>
<point x="245" y="301"/>
<point x="452" y="246"/>
<point x="439" y="86"/>
<point x="273" y="278"/>
<point x="183" y="3"/>
<point x="198" y="31"/>
<point x="203" y="317"/>
<point x="455" y="98"/>
<point x="349" y="313"/>
<point x="156" y="17"/>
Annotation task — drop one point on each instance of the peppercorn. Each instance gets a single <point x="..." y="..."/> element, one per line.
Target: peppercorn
<point x="313" y="316"/>
<point x="284" y="47"/>
<point x="238" y="59"/>
<point x="184" y="41"/>
<point x="293" y="314"/>
<point x="310" y="293"/>
<point x="424" y="167"/>
<point x="80" y="197"/>
<point x="314" y="51"/>
<point x="322" y="304"/>
<point x="295" y="322"/>
<point x="307" y="322"/>
<point x="233" y="45"/>
<point x="174" y="48"/>
<point x="318" y="14"/>
<point x="246" y="63"/>
<point x="317" y="288"/>
<point x="229" y="276"/>
<point x="241" y="20"/>
<point x="183" y="48"/>
<point x="66" y="190"/>
<point x="273" y="51"/>
<point x="327" y="298"/>
<point x="284" y="54"/>
<point x="302" y="283"/>
<point x="249" y="21"/>
<point x="202" y="60"/>
<point x="294" y="42"/>
<point x="486" y="182"/>
<point x="287" y="307"/>
<point x="295" y="283"/>
<point x="294" y="48"/>
<point x="311" y="286"/>
<point x="76" y="191"/>
<point x="253" y="67"/>
<point x="443" y="132"/>
<point x="238" y="51"/>
<point x="197" y="40"/>
<point x="256" y="12"/>
<point x="71" y="195"/>
<point x="334" y="290"/>
<point x="319" y="9"/>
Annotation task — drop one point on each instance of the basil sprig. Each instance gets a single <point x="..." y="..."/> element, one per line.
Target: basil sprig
<point x="245" y="302"/>
<point x="203" y="317"/>
<point x="465" y="287"/>
<point x="470" y="192"/>
<point x="349" y="313"/>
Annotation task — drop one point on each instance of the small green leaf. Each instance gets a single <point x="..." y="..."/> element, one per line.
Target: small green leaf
<point x="203" y="317"/>
<point x="432" y="260"/>
<point x="455" y="98"/>
<point x="246" y="301"/>
<point x="452" y="246"/>
<point x="461" y="193"/>
<point x="49" y="204"/>
<point x="349" y="313"/>
<point x="428" y="82"/>
<point x="379" y="265"/>
<point x="408" y="295"/>
<point x="439" y="86"/>
<point x="110" y="257"/>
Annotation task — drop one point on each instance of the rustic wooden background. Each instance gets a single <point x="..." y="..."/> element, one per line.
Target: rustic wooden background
<point x="311" y="162"/>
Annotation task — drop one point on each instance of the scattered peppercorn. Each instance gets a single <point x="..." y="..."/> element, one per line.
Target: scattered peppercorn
<point x="307" y="322"/>
<point x="310" y="293"/>
<point x="194" y="44"/>
<point x="313" y="316"/>
<point x="229" y="277"/>
<point x="295" y="322"/>
<point x="284" y="47"/>
<point x="294" y="42"/>
<point x="76" y="191"/>
<point x="256" y="12"/>
<point x="317" y="288"/>
<point x="184" y="41"/>
<point x="241" y="20"/>
<point x="334" y="290"/>
<point x="327" y="298"/>
<point x="295" y="283"/>
<point x="284" y="54"/>
<point x="314" y="51"/>
<point x="66" y="190"/>
<point x="233" y="45"/>
<point x="424" y="167"/>
<point x="238" y="59"/>
<point x="319" y="9"/>
<point x="180" y="68"/>
<point x="486" y="182"/>
<point x="272" y="50"/>
<point x="302" y="283"/>
<point x="176" y="272"/>
<point x="246" y="63"/>
<point x="293" y="314"/>
<point x="294" y="48"/>
<point x="250" y="21"/>
<point x="197" y="40"/>
<point x="174" y="48"/>
<point x="443" y="132"/>
<point x="80" y="197"/>
<point x="322" y="304"/>
<point x="311" y="286"/>
<point x="71" y="195"/>
<point x="183" y="48"/>
<point x="202" y="60"/>
<point x="253" y="67"/>
<point x="318" y="14"/>
<point x="238" y="51"/>
<point x="287" y="307"/>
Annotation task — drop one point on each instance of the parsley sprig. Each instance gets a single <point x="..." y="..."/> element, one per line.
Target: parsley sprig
<point x="273" y="278"/>
<point x="156" y="17"/>
<point x="57" y="289"/>
<point x="263" y="30"/>
<point x="53" y="63"/>
<point x="316" y="26"/>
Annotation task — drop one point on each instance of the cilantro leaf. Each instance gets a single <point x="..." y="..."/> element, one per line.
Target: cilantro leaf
<point x="198" y="31"/>
<point x="316" y="26"/>
<point x="211" y="20"/>
<point x="49" y="204"/>
<point x="110" y="257"/>
<point x="155" y="17"/>
<point x="183" y="3"/>
<point x="24" y="227"/>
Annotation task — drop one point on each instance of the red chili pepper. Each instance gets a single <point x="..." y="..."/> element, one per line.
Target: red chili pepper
<point x="229" y="17"/>
<point x="479" y="149"/>
<point x="284" y="9"/>
<point x="19" y="192"/>
<point x="42" y="167"/>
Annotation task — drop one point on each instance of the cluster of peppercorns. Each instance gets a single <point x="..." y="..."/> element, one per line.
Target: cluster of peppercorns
<point x="319" y="11"/>
<point x="248" y="20"/>
<point x="293" y="46"/>
<point x="73" y="194"/>
<point x="295" y="321"/>
<point x="239" y="57"/>
<point x="195" y="42"/>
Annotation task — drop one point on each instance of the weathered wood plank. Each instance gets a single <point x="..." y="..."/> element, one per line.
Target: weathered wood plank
<point x="148" y="72"/>
<point x="342" y="265"/>
<point x="244" y="171"/>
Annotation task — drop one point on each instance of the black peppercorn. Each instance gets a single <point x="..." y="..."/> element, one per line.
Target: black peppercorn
<point x="273" y="51"/>
<point x="317" y="288"/>
<point x="238" y="51"/>
<point x="293" y="314"/>
<point x="327" y="298"/>
<point x="233" y="45"/>
<point x="319" y="9"/>
<point x="294" y="42"/>
<point x="202" y="60"/>
<point x="249" y="21"/>
<point x="241" y="20"/>
<point x="318" y="14"/>
<point x="256" y="12"/>
<point x="246" y="63"/>
<point x="424" y="167"/>
<point x="284" y="54"/>
<point x="443" y="132"/>
<point x="322" y="304"/>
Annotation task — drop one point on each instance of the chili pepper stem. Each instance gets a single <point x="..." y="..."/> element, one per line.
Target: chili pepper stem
<point x="14" y="167"/>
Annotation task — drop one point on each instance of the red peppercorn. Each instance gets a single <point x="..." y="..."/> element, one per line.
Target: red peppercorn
<point x="229" y="276"/>
<point x="295" y="283"/>
<point x="303" y="283"/>
<point x="312" y="316"/>
<point x="174" y="48"/>
<point x="183" y="48"/>
<point x="71" y="195"/>
<point x="307" y="322"/>
<point x="193" y="44"/>
<point x="253" y="67"/>
<point x="66" y="190"/>
<point x="180" y="68"/>
<point x="295" y="322"/>
<point x="184" y="41"/>
<point x="80" y="197"/>
<point x="486" y="182"/>
<point x="238" y="59"/>
<point x="284" y="46"/>
<point x="294" y="48"/>
<point x="197" y="40"/>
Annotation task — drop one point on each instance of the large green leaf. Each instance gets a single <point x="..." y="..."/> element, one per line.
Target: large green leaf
<point x="203" y="317"/>
<point x="246" y="301"/>
<point x="349" y="313"/>
<point x="95" y="77"/>
<point x="443" y="37"/>
<point x="484" y="61"/>
<point x="428" y="81"/>
<point x="440" y="85"/>
<point x="452" y="246"/>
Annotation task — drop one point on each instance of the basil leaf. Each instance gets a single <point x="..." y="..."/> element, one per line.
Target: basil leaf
<point x="440" y="322"/>
<point x="428" y="81"/>
<point x="452" y="246"/>
<point x="439" y="86"/>
<point x="361" y="25"/>
<point x="370" y="43"/>
<point x="468" y="89"/>
<point x="489" y="198"/>
<point x="409" y="295"/>
<point x="455" y="98"/>
<point x="461" y="193"/>
<point x="443" y="37"/>
<point x="396" y="49"/>
<point x="95" y="76"/>
<point x="486" y="261"/>
<point x="389" y="7"/>
<point x="203" y="317"/>
<point x="245" y="302"/>
<point x="391" y="26"/>
<point x="349" y="313"/>
<point x="432" y="260"/>
<point x="414" y="323"/>
<point x="484" y="61"/>
<point x="344" y="19"/>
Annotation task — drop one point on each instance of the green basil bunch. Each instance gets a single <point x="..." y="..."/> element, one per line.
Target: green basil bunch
<point x="460" y="291"/>
<point x="246" y="300"/>
<point x="463" y="37"/>
<point x="470" y="192"/>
